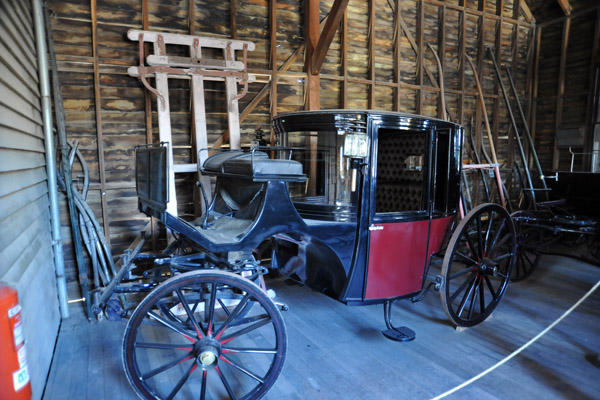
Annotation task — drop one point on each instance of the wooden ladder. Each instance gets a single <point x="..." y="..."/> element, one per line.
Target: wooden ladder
<point x="162" y="66"/>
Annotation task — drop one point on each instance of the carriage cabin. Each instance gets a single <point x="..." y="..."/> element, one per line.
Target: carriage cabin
<point x="366" y="106"/>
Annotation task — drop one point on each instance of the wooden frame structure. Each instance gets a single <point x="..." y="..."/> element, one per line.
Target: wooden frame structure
<point x="197" y="68"/>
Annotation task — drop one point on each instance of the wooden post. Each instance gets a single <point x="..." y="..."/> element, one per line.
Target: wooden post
<point x="273" y="61"/>
<point x="233" y="13"/>
<point x="313" y="84"/>
<point x="98" y="110"/>
<point x="461" y="64"/>
<point x="420" y="54"/>
<point x="345" y="60"/>
<point x="397" y="55"/>
<point x="589" y="113"/>
<point x="371" y="98"/>
<point x="561" y="89"/>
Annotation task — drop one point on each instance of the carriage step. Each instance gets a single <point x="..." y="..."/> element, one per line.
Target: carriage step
<point x="400" y="334"/>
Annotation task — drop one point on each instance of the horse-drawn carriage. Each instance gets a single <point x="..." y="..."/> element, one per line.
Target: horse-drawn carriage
<point x="355" y="204"/>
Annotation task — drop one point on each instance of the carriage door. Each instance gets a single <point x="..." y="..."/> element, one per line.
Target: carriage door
<point x="399" y="221"/>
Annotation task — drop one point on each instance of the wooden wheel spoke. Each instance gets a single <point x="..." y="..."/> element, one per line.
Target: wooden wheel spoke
<point x="460" y="273"/>
<point x="211" y="308"/>
<point x="464" y="257"/>
<point x="226" y="384"/>
<point x="497" y="260"/>
<point x="490" y="287"/>
<point x="165" y="367"/>
<point x="170" y="325"/>
<point x="466" y="297"/>
<point x="231" y="316"/>
<point x="489" y="228"/>
<point x="498" y="233"/>
<point x="190" y="314"/>
<point x="163" y="346"/>
<point x="181" y="381"/>
<point x="258" y="350"/>
<point x="476" y="251"/>
<point x="224" y="307"/>
<point x="246" y="330"/>
<point x="481" y="298"/>
<point x="460" y="288"/>
<point x="203" y="387"/>
<point x="242" y="369"/>
<point x="479" y="236"/>
<point x="473" y="298"/>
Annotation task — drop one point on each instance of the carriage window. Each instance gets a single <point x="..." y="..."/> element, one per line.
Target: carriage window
<point x="326" y="158"/>
<point x="401" y="156"/>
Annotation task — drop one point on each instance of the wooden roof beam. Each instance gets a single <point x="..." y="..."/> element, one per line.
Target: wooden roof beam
<point x="526" y="11"/>
<point x="566" y="6"/>
<point x="331" y="25"/>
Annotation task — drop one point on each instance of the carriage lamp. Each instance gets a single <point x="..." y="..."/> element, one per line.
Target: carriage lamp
<point x="355" y="145"/>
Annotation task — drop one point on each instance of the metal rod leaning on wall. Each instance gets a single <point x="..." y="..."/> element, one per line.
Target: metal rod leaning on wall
<point x="514" y="124"/>
<point x="526" y="129"/>
<point x="62" y="140"/>
<point x="59" y="262"/>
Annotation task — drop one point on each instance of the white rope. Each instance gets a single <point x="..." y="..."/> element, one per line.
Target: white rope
<point x="520" y="349"/>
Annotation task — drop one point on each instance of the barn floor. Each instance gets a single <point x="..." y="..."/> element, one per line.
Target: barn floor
<point x="338" y="352"/>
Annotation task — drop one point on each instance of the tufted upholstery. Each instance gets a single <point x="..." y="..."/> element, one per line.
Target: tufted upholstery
<point x="398" y="188"/>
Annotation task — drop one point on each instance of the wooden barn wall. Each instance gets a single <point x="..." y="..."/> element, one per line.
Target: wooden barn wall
<point x="379" y="59"/>
<point x="568" y="53"/>
<point x="26" y="257"/>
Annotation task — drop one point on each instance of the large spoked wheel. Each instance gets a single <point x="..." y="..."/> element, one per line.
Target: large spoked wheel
<point x="529" y="240"/>
<point x="478" y="264"/>
<point x="204" y="334"/>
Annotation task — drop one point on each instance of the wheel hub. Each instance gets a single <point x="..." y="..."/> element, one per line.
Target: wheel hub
<point x="486" y="267"/>
<point x="207" y="352"/>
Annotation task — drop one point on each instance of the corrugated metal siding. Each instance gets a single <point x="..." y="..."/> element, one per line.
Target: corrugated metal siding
<point x="26" y="259"/>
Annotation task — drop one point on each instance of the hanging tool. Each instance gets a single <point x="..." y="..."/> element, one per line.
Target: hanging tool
<point x="485" y="118"/>
<point x="526" y="130"/>
<point x="62" y="138"/>
<point x="531" y="188"/>
<point x="444" y="115"/>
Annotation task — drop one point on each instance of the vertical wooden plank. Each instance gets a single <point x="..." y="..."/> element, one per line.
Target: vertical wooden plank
<point x="199" y="131"/>
<point x="371" y="99"/>
<point x="441" y="54"/>
<point x="561" y="88"/>
<point x="345" y="59"/>
<point x="421" y="47"/>
<point x="233" y="15"/>
<point x="164" y="129"/>
<point x="480" y="64"/>
<point x="498" y="55"/>
<point x="536" y="78"/>
<point x="461" y="64"/>
<point x="98" y="111"/>
<point x="273" y="61"/>
<point x="589" y="113"/>
<point x="313" y="84"/>
<point x="397" y="55"/>
<point x="191" y="17"/>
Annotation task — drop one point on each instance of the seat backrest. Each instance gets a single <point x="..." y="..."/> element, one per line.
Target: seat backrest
<point x="151" y="179"/>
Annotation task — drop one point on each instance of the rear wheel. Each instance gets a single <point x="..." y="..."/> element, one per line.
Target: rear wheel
<point x="204" y="334"/>
<point x="529" y="240"/>
<point x="477" y="265"/>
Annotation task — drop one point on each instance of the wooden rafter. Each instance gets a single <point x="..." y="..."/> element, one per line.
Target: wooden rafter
<point x="566" y="6"/>
<point x="331" y="25"/>
<point x="526" y="11"/>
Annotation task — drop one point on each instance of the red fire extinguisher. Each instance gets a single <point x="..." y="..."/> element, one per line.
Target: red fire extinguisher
<point x="14" y="374"/>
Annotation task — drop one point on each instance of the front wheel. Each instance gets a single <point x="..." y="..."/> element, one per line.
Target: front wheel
<point x="478" y="264"/>
<point x="191" y="338"/>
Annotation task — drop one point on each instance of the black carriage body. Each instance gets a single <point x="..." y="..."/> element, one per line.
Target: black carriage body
<point x="374" y="218"/>
<point x="355" y="203"/>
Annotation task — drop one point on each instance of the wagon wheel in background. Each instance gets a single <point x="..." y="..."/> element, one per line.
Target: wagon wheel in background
<point x="529" y="240"/>
<point x="205" y="348"/>
<point x="477" y="265"/>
